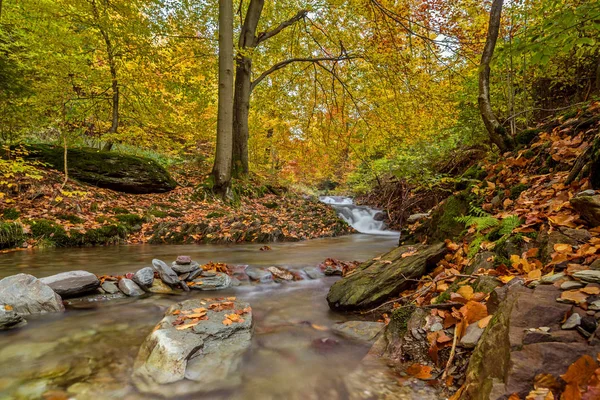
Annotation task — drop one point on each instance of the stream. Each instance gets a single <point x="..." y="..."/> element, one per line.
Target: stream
<point x="88" y="352"/>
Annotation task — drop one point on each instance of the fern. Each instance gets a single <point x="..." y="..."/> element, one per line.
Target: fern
<point x="479" y="222"/>
<point x="509" y="224"/>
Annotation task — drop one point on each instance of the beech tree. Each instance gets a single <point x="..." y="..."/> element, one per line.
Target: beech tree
<point x="222" y="166"/>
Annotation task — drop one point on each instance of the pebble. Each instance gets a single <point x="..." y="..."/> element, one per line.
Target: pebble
<point x="183" y="260"/>
<point x="144" y="277"/>
<point x="588" y="276"/>
<point x="573" y="321"/>
<point x="568" y="285"/>
<point x="595" y="305"/>
<point x="130" y="288"/>
<point x="110" y="287"/>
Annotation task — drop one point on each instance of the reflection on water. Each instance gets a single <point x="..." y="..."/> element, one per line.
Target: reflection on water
<point x="88" y="352"/>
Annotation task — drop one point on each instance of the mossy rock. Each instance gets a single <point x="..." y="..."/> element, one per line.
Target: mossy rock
<point x="475" y="172"/>
<point x="443" y="224"/>
<point x="119" y="172"/>
<point x="120" y="210"/>
<point x="158" y="213"/>
<point x="376" y="281"/>
<point x="526" y="137"/>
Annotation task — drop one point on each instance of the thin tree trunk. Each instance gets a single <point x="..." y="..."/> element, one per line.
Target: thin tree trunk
<point x="497" y="133"/>
<point x="243" y="79"/>
<point x="114" y="125"/>
<point x="222" y="166"/>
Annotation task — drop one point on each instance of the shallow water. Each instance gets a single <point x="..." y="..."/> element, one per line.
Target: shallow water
<point x="88" y="352"/>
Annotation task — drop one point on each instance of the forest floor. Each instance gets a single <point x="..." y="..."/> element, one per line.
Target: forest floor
<point x="43" y="214"/>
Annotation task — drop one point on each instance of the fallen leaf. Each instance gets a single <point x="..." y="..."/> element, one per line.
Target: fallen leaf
<point x="419" y="371"/>
<point x="483" y="323"/>
<point x="590" y="290"/>
<point x="473" y="311"/>
<point x="574" y="296"/>
<point x="466" y="291"/>
<point x="563" y="248"/>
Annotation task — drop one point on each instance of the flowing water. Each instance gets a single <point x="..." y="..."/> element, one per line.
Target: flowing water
<point x="88" y="351"/>
<point x="362" y="218"/>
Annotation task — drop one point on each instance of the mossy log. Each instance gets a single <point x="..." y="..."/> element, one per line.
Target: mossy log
<point x="110" y="170"/>
<point x="379" y="280"/>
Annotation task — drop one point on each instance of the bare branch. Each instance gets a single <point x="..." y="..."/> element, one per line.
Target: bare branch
<point x="284" y="63"/>
<point x="269" y="34"/>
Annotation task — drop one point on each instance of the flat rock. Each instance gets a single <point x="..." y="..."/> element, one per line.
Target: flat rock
<point x="110" y="287"/>
<point x="260" y="275"/>
<point x="9" y="318"/>
<point x="166" y="273"/>
<point x="185" y="268"/>
<point x="472" y="336"/>
<point x="159" y="287"/>
<point x="595" y="265"/>
<point x="200" y="359"/>
<point x="90" y="299"/>
<point x="281" y="274"/>
<point x="28" y="295"/>
<point x="183" y="260"/>
<point x="72" y="283"/>
<point x="568" y="285"/>
<point x="144" y="277"/>
<point x="592" y="276"/>
<point x="313" y="272"/>
<point x="376" y="281"/>
<point x="362" y="331"/>
<point x="130" y="288"/>
<point x="218" y="281"/>
<point x="572" y="322"/>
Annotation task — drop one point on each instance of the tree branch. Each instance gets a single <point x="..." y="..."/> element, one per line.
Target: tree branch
<point x="269" y="34"/>
<point x="284" y="63"/>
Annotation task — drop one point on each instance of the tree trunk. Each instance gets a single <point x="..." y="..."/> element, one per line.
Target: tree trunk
<point x="241" y="112"/>
<point x="243" y="78"/>
<point x="222" y="167"/>
<point x="497" y="133"/>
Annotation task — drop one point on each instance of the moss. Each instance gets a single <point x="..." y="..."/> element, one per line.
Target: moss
<point x="10" y="213"/>
<point x="443" y="223"/>
<point x="158" y="213"/>
<point x="525" y="137"/>
<point x="271" y="205"/>
<point x="103" y="219"/>
<point x="570" y="114"/>
<point x="400" y="317"/>
<point x="130" y="219"/>
<point x="475" y="172"/>
<point x="215" y="214"/>
<point x="94" y="207"/>
<point x="108" y="234"/>
<point x="51" y="231"/>
<point x="528" y="154"/>
<point x="516" y="190"/>
<point x="11" y="234"/>
<point x="74" y="219"/>
<point x="175" y="214"/>
<point x="120" y="210"/>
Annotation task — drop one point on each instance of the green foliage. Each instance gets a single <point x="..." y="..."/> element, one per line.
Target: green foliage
<point x="107" y="234"/>
<point x="158" y="213"/>
<point x="11" y="234"/>
<point x="120" y="210"/>
<point x="526" y="136"/>
<point x="51" y="231"/>
<point x="516" y="190"/>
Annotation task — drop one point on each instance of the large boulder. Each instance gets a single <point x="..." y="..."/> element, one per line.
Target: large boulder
<point x="513" y="348"/>
<point x="378" y="280"/>
<point x="28" y="295"/>
<point x="120" y="172"/>
<point x="72" y="283"/>
<point x="176" y="360"/>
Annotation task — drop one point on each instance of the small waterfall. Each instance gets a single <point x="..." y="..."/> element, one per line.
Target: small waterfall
<point x="361" y="218"/>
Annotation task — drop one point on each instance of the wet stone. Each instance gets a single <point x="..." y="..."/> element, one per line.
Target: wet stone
<point x="588" y="276"/>
<point x="130" y="288"/>
<point x="165" y="272"/>
<point x="185" y="268"/>
<point x="144" y="277"/>
<point x="589" y="324"/>
<point x="280" y="274"/>
<point x="194" y="274"/>
<point x="9" y="318"/>
<point x="313" y="272"/>
<point x="472" y="336"/>
<point x="219" y="281"/>
<point x="260" y="275"/>
<point x="573" y="321"/>
<point x="110" y="287"/>
<point x="568" y="285"/>
<point x="28" y="295"/>
<point x="72" y="283"/>
<point x="362" y="331"/>
<point x="183" y="260"/>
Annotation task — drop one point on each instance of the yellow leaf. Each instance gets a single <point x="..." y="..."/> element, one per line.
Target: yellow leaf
<point x="506" y="278"/>
<point x="466" y="292"/>
<point x="483" y="323"/>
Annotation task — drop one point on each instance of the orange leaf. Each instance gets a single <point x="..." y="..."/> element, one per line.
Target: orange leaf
<point x="483" y="323"/>
<point x="574" y="296"/>
<point x="419" y="371"/>
<point x="466" y="292"/>
<point x="580" y="371"/>
<point x="474" y="311"/>
<point x="563" y="248"/>
<point x="590" y="290"/>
